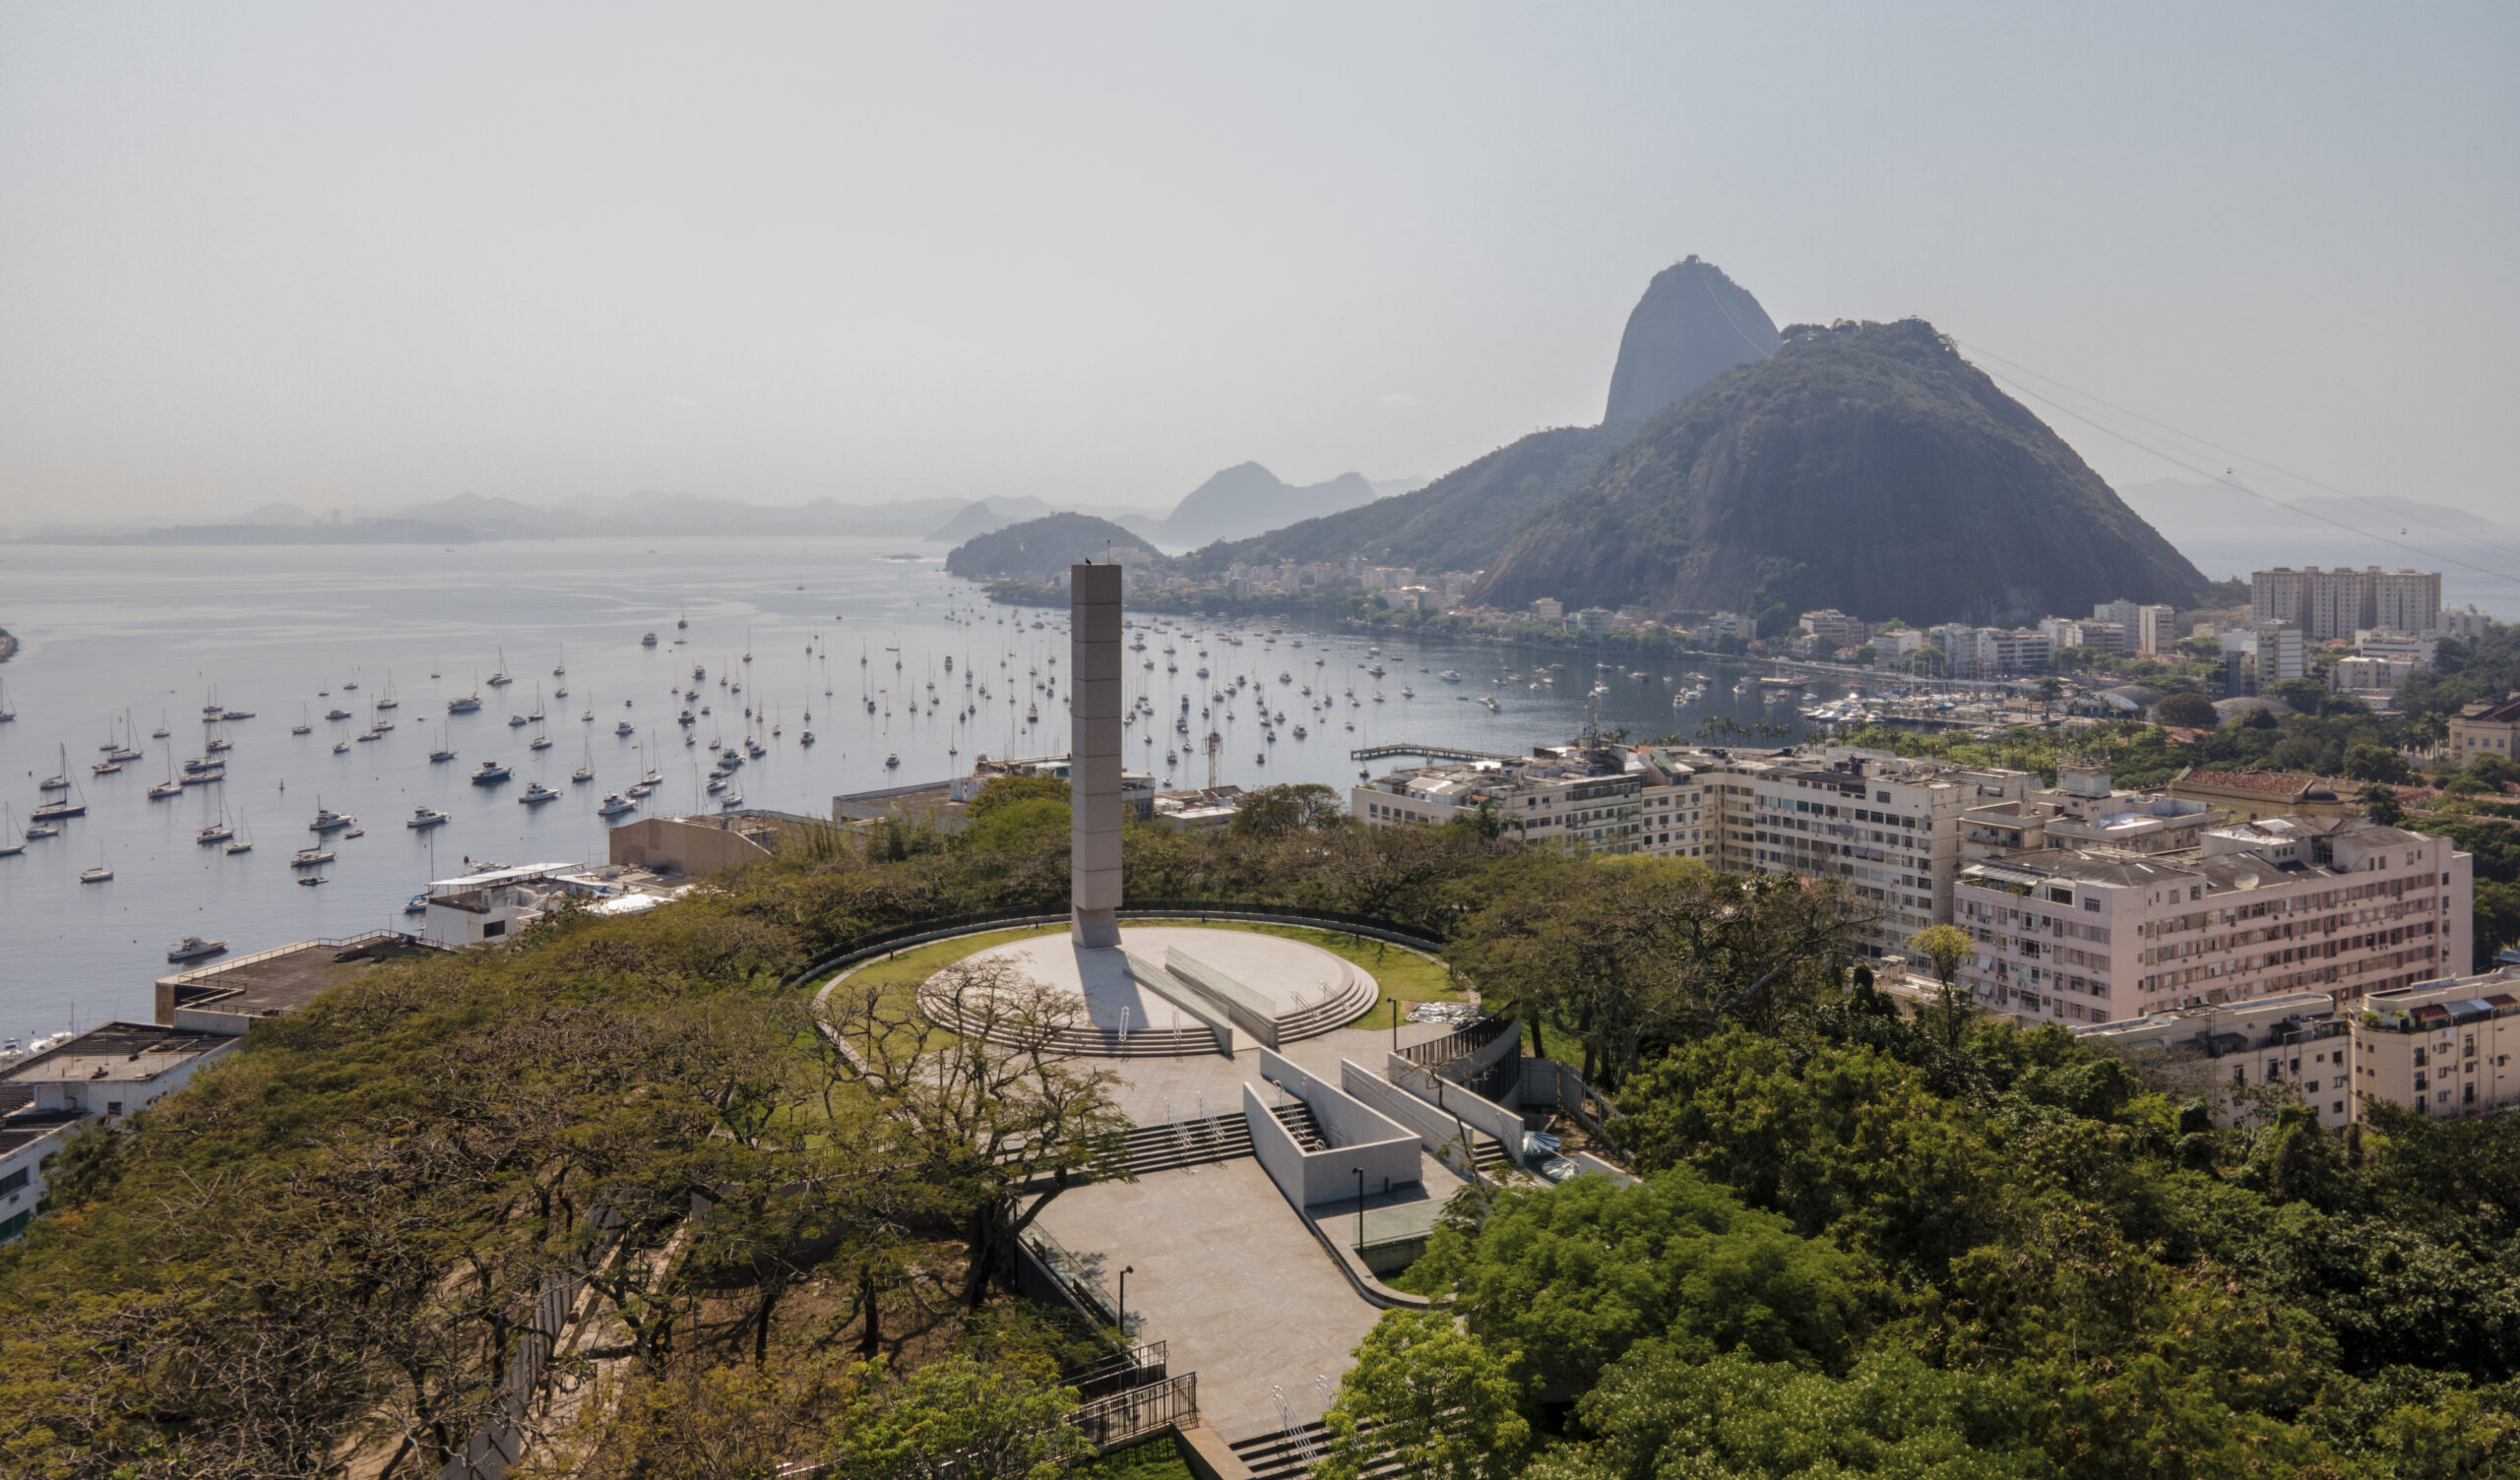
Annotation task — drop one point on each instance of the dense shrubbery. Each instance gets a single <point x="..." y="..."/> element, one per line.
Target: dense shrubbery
<point x="1851" y="1254"/>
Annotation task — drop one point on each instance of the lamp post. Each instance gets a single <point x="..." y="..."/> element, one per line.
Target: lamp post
<point x="1125" y="1271"/>
<point x="1361" y="1213"/>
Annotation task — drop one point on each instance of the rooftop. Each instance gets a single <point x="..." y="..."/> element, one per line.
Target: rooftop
<point x="280" y="980"/>
<point x="2293" y="785"/>
<point x="120" y="1051"/>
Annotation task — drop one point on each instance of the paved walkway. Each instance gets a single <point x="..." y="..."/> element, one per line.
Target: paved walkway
<point x="1228" y="1274"/>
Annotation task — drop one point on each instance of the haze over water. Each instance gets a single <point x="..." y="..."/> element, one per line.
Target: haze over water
<point x="108" y="629"/>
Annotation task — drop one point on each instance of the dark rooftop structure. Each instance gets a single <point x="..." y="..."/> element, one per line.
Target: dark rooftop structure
<point x="227" y="997"/>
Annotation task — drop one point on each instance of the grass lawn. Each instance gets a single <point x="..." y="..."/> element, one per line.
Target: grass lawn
<point x="1405" y="975"/>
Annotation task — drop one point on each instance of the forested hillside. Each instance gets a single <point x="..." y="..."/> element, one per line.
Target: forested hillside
<point x="1863" y="1242"/>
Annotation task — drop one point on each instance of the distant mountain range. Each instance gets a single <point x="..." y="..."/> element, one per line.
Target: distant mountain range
<point x="1692" y="324"/>
<point x="1860" y="465"/>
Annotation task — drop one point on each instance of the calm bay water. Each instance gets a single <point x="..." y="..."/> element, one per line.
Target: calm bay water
<point x="280" y="631"/>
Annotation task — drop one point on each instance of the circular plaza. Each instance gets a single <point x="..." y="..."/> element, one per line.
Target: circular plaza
<point x="1164" y="990"/>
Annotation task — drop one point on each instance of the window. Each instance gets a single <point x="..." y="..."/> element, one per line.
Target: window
<point x="494" y="928"/>
<point x="113" y="1107"/>
<point x="2092" y="903"/>
<point x="13" y="1181"/>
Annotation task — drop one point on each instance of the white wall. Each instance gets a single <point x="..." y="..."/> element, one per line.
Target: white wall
<point x="27" y="1158"/>
<point x="1450" y="1101"/>
<point x="1360" y="1139"/>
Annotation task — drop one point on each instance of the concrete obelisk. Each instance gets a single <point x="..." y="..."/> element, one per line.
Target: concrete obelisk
<point x="1094" y="762"/>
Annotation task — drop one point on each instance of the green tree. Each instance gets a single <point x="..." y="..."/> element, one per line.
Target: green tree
<point x="1430" y="1395"/>
<point x="2188" y="710"/>
<point x="2365" y="761"/>
<point x="1659" y="1413"/>
<point x="1010" y="790"/>
<point x="1945" y="948"/>
<point x="1277" y="811"/>
<point x="1560" y="1282"/>
<point x="956" y="1418"/>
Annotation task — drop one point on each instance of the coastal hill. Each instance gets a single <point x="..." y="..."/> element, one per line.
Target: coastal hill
<point x="981" y="516"/>
<point x="1039" y="548"/>
<point x="1692" y="324"/>
<point x="1246" y="499"/>
<point x="1865" y="466"/>
<point x="1459" y="521"/>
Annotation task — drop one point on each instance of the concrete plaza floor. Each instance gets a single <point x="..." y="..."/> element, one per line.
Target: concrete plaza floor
<point x="1228" y="1277"/>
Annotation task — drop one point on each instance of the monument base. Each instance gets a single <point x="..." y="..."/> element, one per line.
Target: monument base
<point x="1093" y="928"/>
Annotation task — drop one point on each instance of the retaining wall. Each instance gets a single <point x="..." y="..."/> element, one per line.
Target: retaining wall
<point x="1453" y="1101"/>
<point x="1437" y="1131"/>
<point x="1360" y="1139"/>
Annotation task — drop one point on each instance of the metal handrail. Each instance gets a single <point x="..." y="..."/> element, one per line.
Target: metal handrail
<point x="1434" y="1053"/>
<point x="876" y="942"/>
<point x="327" y="943"/>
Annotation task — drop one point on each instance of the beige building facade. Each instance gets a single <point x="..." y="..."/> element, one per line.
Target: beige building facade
<point x="2265" y="909"/>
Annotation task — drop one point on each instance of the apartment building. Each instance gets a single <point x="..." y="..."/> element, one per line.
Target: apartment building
<point x="2335" y="604"/>
<point x="2259" y="909"/>
<point x="2373" y="680"/>
<point x="2441" y="1048"/>
<point x="2082" y="809"/>
<point x="1888" y="827"/>
<point x="1835" y="627"/>
<point x="1675" y="809"/>
<point x="2147" y="628"/>
<point x="2246" y="1057"/>
<point x="1993" y="652"/>
<point x="1568" y="797"/>
<point x="107" y="1072"/>
<point x="2488" y="727"/>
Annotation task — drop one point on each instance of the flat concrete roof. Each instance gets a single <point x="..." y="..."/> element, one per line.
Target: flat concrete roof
<point x="277" y="981"/>
<point x="123" y="1051"/>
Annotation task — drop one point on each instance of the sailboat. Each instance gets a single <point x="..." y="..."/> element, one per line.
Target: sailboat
<point x="306" y="722"/>
<point x="170" y="787"/>
<point x="163" y="730"/>
<point x="217" y="831"/>
<point x="244" y="843"/>
<point x="6" y="714"/>
<point x="586" y="769"/>
<point x="9" y="849"/>
<point x="60" y="779"/>
<point x="500" y="679"/>
<point x="561" y="668"/>
<point x="100" y="874"/>
<point x="387" y="701"/>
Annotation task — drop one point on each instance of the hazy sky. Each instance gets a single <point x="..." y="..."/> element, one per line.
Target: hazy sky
<point x="363" y="254"/>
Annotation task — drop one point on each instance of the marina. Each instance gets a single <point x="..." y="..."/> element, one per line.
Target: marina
<point x="866" y="671"/>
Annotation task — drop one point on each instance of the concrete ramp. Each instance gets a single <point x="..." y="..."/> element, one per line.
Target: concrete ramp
<point x="1182" y="995"/>
<point x="1248" y="1009"/>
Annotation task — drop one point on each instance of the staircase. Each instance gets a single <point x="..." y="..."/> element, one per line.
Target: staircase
<point x="1299" y="1124"/>
<point x="1281" y="1456"/>
<point x="1166" y="1146"/>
